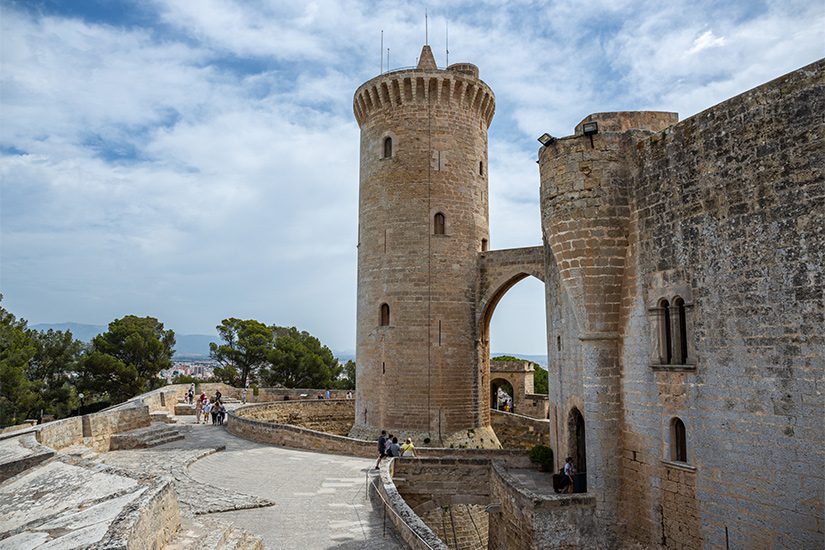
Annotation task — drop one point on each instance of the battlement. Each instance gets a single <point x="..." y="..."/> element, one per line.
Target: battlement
<point x="458" y="86"/>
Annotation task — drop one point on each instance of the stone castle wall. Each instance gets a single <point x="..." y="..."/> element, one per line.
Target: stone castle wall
<point x="724" y="212"/>
<point x="728" y="211"/>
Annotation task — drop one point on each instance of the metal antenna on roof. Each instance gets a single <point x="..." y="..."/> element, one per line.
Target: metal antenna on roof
<point x="382" y="51"/>
<point x="447" y="39"/>
<point x="388" y="59"/>
<point x="426" y="29"/>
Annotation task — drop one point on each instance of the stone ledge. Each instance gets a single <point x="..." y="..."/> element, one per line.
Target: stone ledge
<point x="679" y="465"/>
<point x="673" y="368"/>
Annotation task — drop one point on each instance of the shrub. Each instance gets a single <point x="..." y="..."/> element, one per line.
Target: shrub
<point x="543" y="456"/>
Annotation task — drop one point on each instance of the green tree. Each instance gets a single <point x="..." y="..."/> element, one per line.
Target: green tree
<point x="347" y="381"/>
<point x="299" y="360"/>
<point x="53" y="370"/>
<point x="126" y="359"/>
<point x="103" y="376"/>
<point x="539" y="380"/>
<point x="18" y="397"/>
<point x="228" y="375"/>
<point x="246" y="348"/>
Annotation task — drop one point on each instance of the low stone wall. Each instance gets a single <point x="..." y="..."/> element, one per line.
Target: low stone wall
<point x="516" y="431"/>
<point x="23" y="426"/>
<point x="408" y="526"/>
<point x="449" y="495"/>
<point x="239" y="423"/>
<point x="529" y="521"/>
<point x="329" y="416"/>
<point x="99" y="427"/>
<point x="61" y="433"/>
<point x="147" y="524"/>
<point x="243" y="423"/>
<point x="266" y="395"/>
<point x="535" y="405"/>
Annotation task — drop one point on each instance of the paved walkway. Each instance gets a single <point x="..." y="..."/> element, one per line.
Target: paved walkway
<point x="319" y="499"/>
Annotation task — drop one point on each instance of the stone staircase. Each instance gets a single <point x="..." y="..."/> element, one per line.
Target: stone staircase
<point x="156" y="434"/>
<point x="199" y="534"/>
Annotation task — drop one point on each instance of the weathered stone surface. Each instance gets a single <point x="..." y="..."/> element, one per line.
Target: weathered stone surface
<point x="725" y="212"/>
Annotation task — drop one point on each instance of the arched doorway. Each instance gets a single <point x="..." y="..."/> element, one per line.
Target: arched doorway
<point x="576" y="440"/>
<point x="501" y="393"/>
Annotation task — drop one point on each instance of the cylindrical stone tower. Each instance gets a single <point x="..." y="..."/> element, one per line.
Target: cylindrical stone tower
<point x="423" y="220"/>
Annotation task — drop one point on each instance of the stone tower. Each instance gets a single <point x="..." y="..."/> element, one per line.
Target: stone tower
<point x="423" y="221"/>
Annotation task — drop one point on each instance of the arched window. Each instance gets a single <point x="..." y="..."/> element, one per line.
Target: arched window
<point x="665" y="338"/>
<point x="678" y="441"/>
<point x="438" y="224"/>
<point x="481" y="168"/>
<point x="680" y="348"/>
<point x="387" y="147"/>
<point x="385" y="315"/>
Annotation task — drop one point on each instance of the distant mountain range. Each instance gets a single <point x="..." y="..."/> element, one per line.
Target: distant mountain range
<point x="196" y="346"/>
<point x="187" y="346"/>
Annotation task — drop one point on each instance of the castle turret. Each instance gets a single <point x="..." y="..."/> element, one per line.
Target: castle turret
<point x="423" y="220"/>
<point x="585" y="217"/>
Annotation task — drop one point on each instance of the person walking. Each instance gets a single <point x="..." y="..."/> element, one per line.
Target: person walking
<point x="395" y="448"/>
<point x="382" y="448"/>
<point x="198" y="411"/>
<point x="207" y="409"/>
<point x="243" y="396"/>
<point x="328" y="395"/>
<point x="215" y="407"/>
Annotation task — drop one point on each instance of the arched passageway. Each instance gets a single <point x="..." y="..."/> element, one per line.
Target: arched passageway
<point x="497" y="400"/>
<point x="576" y="446"/>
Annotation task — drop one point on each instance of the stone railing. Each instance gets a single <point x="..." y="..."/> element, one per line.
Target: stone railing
<point x="553" y="521"/>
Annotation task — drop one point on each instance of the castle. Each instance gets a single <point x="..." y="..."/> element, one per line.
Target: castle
<point x="685" y="294"/>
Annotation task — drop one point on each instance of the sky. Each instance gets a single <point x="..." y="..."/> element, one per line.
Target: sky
<point x="196" y="160"/>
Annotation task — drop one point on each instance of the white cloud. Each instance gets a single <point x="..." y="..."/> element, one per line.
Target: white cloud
<point x="706" y="40"/>
<point x="205" y="164"/>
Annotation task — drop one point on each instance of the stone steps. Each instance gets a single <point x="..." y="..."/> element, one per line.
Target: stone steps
<point x="200" y="534"/>
<point x="156" y="434"/>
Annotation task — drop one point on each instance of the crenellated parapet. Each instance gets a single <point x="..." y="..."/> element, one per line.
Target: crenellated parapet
<point x="456" y="87"/>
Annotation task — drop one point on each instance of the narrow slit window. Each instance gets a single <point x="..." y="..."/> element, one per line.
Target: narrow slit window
<point x="387" y="147"/>
<point x="481" y="168"/>
<point x="484" y="245"/>
<point x="678" y="441"/>
<point x="385" y="315"/>
<point x="665" y="337"/>
<point x="438" y="224"/>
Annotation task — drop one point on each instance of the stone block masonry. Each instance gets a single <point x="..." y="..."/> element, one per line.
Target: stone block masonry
<point x="516" y="431"/>
<point x="423" y="221"/>
<point x="687" y="298"/>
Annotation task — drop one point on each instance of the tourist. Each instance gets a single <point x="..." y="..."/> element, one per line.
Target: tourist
<point x="408" y="449"/>
<point x="395" y="448"/>
<point x="216" y="406"/>
<point x="221" y="414"/>
<point x="569" y="472"/>
<point x="218" y="395"/>
<point x="243" y="396"/>
<point x="349" y="394"/>
<point x="388" y="444"/>
<point x="198" y="411"/>
<point x="202" y="398"/>
<point x="382" y="448"/>
<point x="207" y="408"/>
<point x="328" y="395"/>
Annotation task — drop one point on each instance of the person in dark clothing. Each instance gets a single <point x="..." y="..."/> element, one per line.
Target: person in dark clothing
<point x="382" y="448"/>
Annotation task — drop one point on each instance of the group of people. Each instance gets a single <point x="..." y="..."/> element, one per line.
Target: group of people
<point x="388" y="446"/>
<point x="214" y="408"/>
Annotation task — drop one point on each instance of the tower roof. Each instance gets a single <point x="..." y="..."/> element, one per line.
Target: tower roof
<point x="426" y="61"/>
